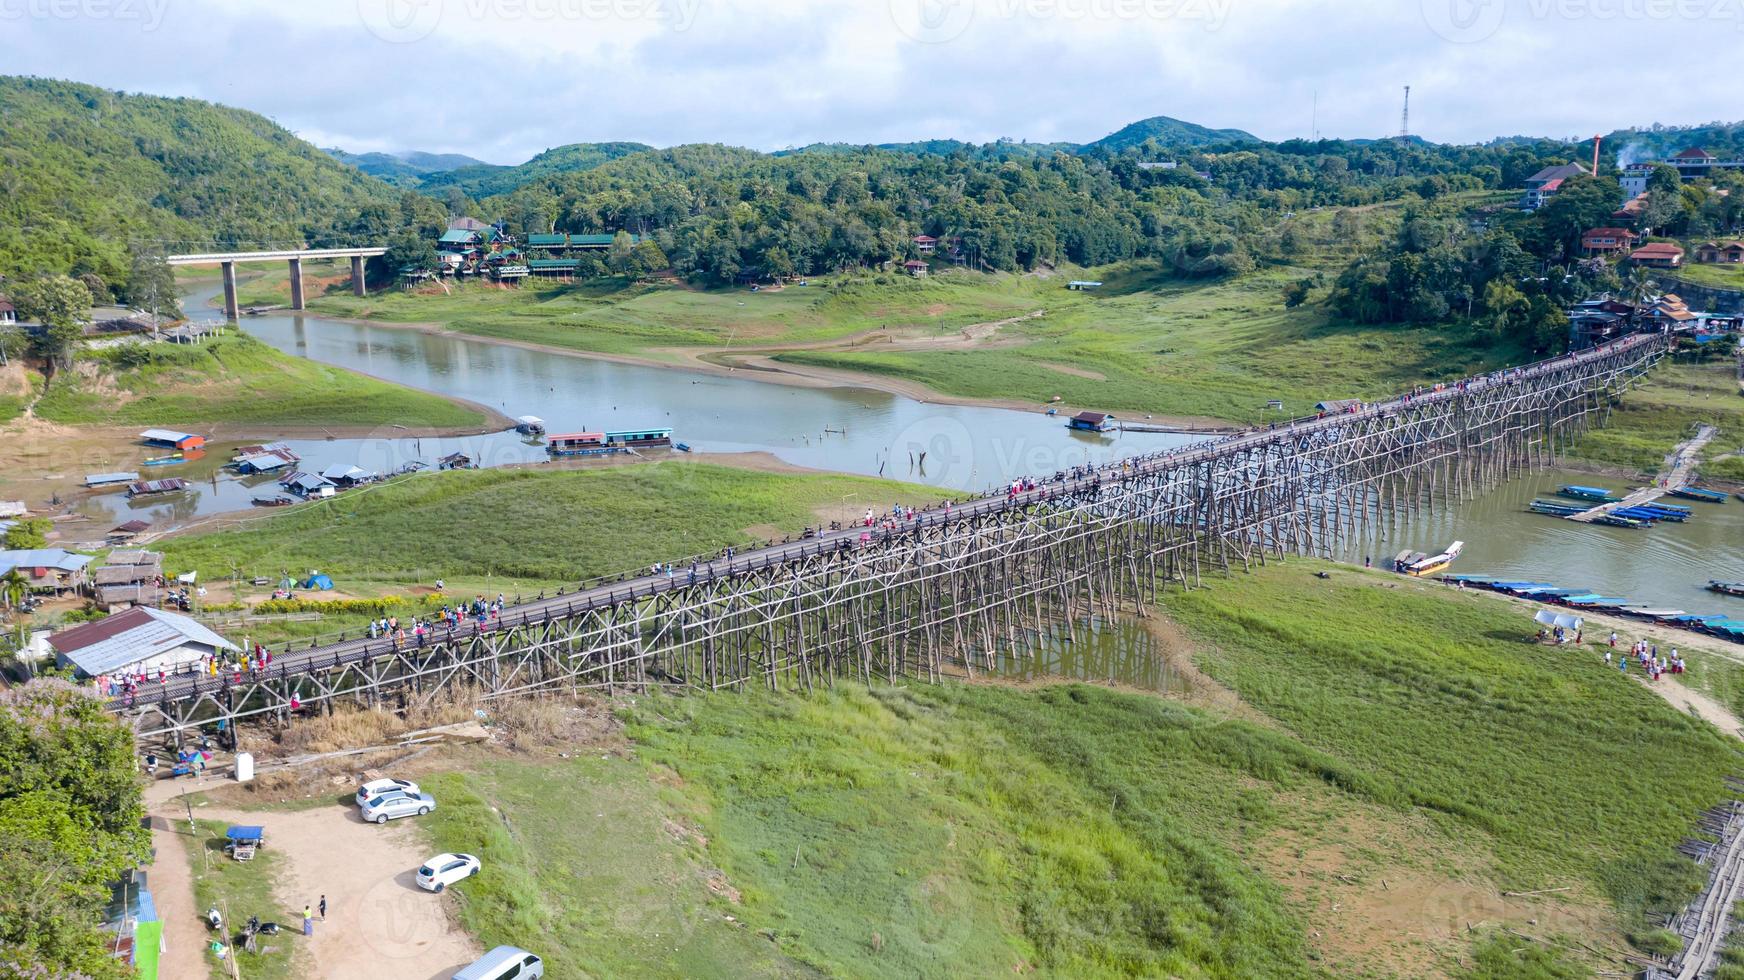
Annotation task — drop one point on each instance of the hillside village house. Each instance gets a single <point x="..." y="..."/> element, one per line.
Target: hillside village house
<point x="137" y="640"/>
<point x="915" y="268"/>
<point x="1728" y="253"/>
<point x="46" y="569"/>
<point x="924" y="244"/>
<point x="1607" y="241"/>
<point x="1658" y="255"/>
<point x="1543" y="185"/>
<point x="8" y="312"/>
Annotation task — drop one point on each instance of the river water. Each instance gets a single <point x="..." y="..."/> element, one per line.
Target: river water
<point x="870" y="432"/>
<point x="851" y="430"/>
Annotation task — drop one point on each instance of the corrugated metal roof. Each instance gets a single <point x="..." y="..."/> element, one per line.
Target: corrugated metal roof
<point x="344" y="471"/>
<point x="264" y="461"/>
<point x="129" y="637"/>
<point x="166" y="435"/>
<point x="98" y="479"/>
<point x="57" y="558"/>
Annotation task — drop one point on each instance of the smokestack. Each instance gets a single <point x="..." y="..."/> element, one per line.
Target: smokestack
<point x="1596" y="139"/>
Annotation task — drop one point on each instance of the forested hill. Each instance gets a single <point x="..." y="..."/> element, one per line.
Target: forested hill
<point x="84" y="171"/>
<point x="1169" y="132"/>
<point x="484" y="180"/>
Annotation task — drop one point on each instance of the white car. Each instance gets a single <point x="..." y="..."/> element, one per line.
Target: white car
<point x="376" y="787"/>
<point x="445" y="869"/>
<point x="391" y="805"/>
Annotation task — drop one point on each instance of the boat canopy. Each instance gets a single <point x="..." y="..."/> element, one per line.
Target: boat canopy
<point x="1550" y="617"/>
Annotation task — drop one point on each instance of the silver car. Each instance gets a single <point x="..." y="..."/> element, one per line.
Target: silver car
<point x="391" y="805"/>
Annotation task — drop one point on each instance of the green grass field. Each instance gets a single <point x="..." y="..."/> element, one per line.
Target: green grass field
<point x="1143" y="342"/>
<point x="240" y="889"/>
<point x="533" y="527"/>
<point x="237" y="379"/>
<point x="1673" y="403"/>
<point x="980" y="830"/>
<point x="1536" y="753"/>
<point x="1223" y="350"/>
<point x="1712" y="274"/>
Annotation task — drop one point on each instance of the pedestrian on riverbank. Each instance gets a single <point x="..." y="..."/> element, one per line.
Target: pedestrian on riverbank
<point x="308" y="921"/>
<point x="323" y="908"/>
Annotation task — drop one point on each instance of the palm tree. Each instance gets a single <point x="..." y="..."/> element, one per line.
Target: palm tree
<point x="1640" y="285"/>
<point x="13" y="589"/>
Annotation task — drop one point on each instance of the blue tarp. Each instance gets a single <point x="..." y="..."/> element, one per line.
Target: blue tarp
<point x="240" y="832"/>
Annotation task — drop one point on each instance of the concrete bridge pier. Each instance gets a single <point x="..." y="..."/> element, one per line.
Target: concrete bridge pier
<point x="357" y="275"/>
<point x="230" y="310"/>
<point x="296" y="283"/>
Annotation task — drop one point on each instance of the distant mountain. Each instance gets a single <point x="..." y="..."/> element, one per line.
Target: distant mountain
<point x="85" y="171"/>
<point x="1169" y="132"/>
<point x="406" y="168"/>
<point x="999" y="150"/>
<point x="487" y="180"/>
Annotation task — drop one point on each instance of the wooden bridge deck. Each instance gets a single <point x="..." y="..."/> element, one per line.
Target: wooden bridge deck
<point x="964" y="577"/>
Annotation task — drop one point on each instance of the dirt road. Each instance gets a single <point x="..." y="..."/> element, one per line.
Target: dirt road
<point x="379" y="922"/>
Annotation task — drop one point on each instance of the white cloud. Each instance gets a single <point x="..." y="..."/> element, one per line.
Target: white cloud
<point x="503" y="79"/>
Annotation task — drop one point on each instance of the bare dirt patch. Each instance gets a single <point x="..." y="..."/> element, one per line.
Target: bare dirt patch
<point x="1076" y="372"/>
<point x="1383" y="890"/>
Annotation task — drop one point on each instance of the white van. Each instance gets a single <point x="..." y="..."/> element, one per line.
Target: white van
<point x="504" y="963"/>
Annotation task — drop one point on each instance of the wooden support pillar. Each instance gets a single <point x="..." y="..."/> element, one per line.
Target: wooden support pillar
<point x="357" y="275"/>
<point x="296" y="284"/>
<point x="230" y="310"/>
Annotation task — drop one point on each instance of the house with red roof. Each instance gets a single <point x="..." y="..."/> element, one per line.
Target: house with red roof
<point x="1658" y="255"/>
<point x="1608" y="241"/>
<point x="1543" y="185"/>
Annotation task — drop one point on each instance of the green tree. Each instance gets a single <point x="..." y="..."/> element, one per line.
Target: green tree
<point x="1582" y="202"/>
<point x="70" y="815"/>
<point x="62" y="305"/>
<point x="31" y="533"/>
<point x="1296" y="293"/>
<point x="151" y="286"/>
<point x="408" y="252"/>
<point x="620" y="253"/>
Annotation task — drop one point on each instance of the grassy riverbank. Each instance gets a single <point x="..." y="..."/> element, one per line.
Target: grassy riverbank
<point x="1397" y="759"/>
<point x="1144" y="341"/>
<point x="239" y="380"/>
<point x="1667" y="409"/>
<point x="518" y="530"/>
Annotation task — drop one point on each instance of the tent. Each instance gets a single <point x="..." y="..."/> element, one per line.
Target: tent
<point x="1550" y="618"/>
<point x="318" y="581"/>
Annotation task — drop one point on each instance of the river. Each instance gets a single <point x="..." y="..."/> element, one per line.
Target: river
<point x="864" y="431"/>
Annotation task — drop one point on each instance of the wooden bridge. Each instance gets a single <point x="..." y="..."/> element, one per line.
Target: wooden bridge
<point x="960" y="585"/>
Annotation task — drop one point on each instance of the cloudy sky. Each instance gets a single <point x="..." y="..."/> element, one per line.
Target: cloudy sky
<point x="504" y="79"/>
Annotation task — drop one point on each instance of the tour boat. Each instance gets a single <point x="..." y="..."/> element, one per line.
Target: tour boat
<point x="1729" y="588"/>
<point x="1434" y="563"/>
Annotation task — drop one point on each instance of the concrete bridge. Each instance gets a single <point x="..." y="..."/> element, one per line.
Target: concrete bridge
<point x="964" y="586"/>
<point x="293" y="256"/>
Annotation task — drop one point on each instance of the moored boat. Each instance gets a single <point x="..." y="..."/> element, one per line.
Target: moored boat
<point x="1434" y="563"/>
<point x="1727" y="588"/>
<point x="272" y="501"/>
<point x="1595" y="494"/>
<point x="1702" y="494"/>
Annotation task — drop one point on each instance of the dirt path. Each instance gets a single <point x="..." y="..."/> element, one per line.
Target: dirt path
<point x="171" y="879"/>
<point x="1696" y="703"/>
<point x="379" y="922"/>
